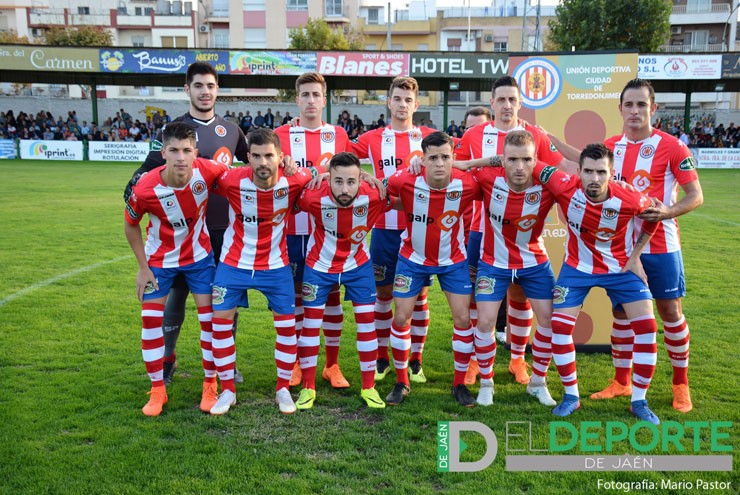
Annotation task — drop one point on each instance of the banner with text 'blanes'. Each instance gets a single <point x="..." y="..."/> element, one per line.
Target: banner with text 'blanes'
<point x="576" y="98"/>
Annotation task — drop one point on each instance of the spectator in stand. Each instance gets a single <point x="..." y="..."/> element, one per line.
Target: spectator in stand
<point x="684" y="138"/>
<point x="246" y="123"/>
<point x="287" y="118"/>
<point x="259" y="120"/>
<point x="431" y="124"/>
<point x="269" y="119"/>
<point x="278" y="119"/>
<point x="47" y="134"/>
<point x="358" y="123"/>
<point x="452" y="129"/>
<point x="381" y="120"/>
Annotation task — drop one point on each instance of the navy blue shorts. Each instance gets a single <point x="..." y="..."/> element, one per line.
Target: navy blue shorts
<point x="231" y="284"/>
<point x="492" y="283"/>
<point x="359" y="285"/>
<point x="573" y="286"/>
<point x="411" y="277"/>
<point x="198" y="276"/>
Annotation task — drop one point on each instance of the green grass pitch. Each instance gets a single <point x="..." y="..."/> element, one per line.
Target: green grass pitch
<point x="72" y="381"/>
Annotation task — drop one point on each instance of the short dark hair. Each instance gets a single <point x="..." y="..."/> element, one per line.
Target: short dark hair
<point x="178" y="130"/>
<point x="476" y="112"/>
<point x="638" y="83"/>
<point x="310" y="77"/>
<point x="518" y="138"/>
<point x="596" y="151"/>
<point x="344" y="159"/>
<point x="262" y="136"/>
<point x="405" y="83"/>
<point x="199" y="68"/>
<point x="436" y="139"/>
<point x="504" y="81"/>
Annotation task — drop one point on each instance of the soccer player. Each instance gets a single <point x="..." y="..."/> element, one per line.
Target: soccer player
<point x="484" y="143"/>
<point x="175" y="196"/>
<point x="391" y="148"/>
<point x="313" y="142"/>
<point x="434" y="244"/>
<point x="254" y="256"/>
<point x="513" y="251"/>
<point x="342" y="212"/>
<point x="655" y="163"/>
<point x="219" y="140"/>
<point x="600" y="216"/>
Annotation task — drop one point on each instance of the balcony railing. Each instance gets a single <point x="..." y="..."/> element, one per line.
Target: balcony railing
<point x="716" y="47"/>
<point x="721" y="8"/>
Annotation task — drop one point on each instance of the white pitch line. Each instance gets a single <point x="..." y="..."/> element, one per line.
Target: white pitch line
<point x="721" y="220"/>
<point x="52" y="280"/>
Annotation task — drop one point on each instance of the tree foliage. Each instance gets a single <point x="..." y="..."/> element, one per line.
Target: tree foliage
<point x="318" y="35"/>
<point x="12" y="38"/>
<point x="610" y="25"/>
<point x="82" y="36"/>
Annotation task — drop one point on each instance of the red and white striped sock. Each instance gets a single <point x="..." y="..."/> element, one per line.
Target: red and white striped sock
<point x="541" y="351"/>
<point x="676" y="336"/>
<point x="400" y="347"/>
<point x="383" y="319"/>
<point x="622" y="339"/>
<point x="367" y="343"/>
<point x="286" y="348"/>
<point x="333" y="320"/>
<point x="645" y="354"/>
<point x="205" y="315"/>
<point x="462" y="349"/>
<point x="564" y="351"/>
<point x="519" y="316"/>
<point x="298" y="314"/>
<point x="309" y="343"/>
<point x="152" y="341"/>
<point x="224" y="352"/>
<point x="419" y="328"/>
<point x="485" y="353"/>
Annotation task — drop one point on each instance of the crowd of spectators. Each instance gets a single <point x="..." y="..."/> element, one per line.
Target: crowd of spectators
<point x="704" y="134"/>
<point x="44" y="126"/>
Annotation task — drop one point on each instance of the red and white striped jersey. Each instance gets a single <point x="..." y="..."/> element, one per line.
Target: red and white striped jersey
<point x="339" y="239"/>
<point x="310" y="148"/>
<point x="390" y="151"/>
<point x="176" y="235"/>
<point x="485" y="140"/>
<point x="255" y="238"/>
<point x="434" y="233"/>
<point x="600" y="235"/>
<point x="512" y="237"/>
<point x="656" y="166"/>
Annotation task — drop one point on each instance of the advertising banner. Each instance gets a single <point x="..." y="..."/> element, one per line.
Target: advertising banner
<point x="155" y="61"/>
<point x="47" y="58"/>
<point x="459" y="65"/>
<point x="575" y="98"/>
<point x="368" y="64"/>
<point x="717" y="157"/>
<point x="7" y="148"/>
<point x="117" y="151"/>
<point x="51" y="150"/>
<point x="730" y="66"/>
<point x="272" y="63"/>
<point x="683" y="66"/>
